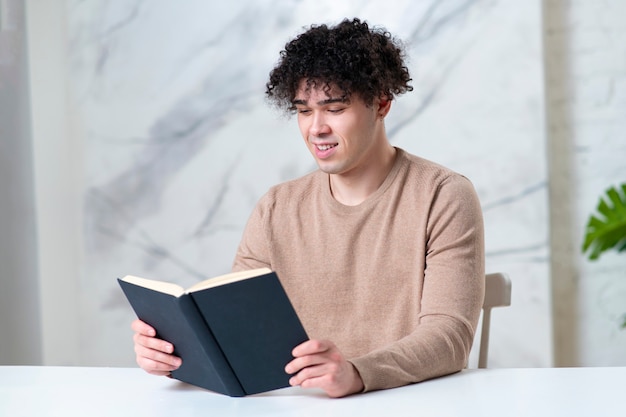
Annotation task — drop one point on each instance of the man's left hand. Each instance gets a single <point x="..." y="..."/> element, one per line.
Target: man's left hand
<point x="320" y="364"/>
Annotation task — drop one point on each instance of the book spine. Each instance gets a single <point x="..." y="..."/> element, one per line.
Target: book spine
<point x="212" y="350"/>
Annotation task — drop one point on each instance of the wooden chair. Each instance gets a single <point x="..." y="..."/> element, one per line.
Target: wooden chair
<point x="497" y="294"/>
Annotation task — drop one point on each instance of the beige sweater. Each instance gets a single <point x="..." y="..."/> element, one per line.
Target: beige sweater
<point x="396" y="282"/>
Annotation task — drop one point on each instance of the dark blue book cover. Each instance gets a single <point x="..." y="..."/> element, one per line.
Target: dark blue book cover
<point x="177" y="320"/>
<point x="233" y="337"/>
<point x="256" y="327"/>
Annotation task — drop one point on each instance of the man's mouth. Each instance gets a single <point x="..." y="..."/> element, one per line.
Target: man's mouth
<point x="326" y="147"/>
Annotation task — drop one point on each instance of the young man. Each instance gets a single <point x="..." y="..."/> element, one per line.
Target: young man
<point x="380" y="251"/>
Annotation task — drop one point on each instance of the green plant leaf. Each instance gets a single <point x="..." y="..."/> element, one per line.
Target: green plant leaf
<point x="606" y="229"/>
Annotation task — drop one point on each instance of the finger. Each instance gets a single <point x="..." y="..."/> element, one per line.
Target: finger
<point x="156" y="363"/>
<point x="325" y="383"/>
<point x="141" y="327"/>
<point x="328" y="377"/>
<point x="157" y="356"/>
<point x="153" y="343"/>
<point x="315" y="381"/>
<point x="311" y="347"/>
<point x="315" y="371"/>
<point x="302" y="362"/>
<point x="155" y="367"/>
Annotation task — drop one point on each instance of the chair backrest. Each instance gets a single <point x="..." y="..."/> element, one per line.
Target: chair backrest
<point x="497" y="294"/>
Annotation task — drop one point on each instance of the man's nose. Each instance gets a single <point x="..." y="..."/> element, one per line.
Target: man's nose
<point x="319" y="126"/>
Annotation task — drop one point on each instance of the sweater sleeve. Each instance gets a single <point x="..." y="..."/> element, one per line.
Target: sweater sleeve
<point x="452" y="296"/>
<point x="254" y="251"/>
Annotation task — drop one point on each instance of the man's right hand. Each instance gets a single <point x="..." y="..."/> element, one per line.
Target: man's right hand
<point x="153" y="355"/>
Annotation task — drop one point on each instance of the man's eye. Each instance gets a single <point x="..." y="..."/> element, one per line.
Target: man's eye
<point x="336" y="110"/>
<point x="304" y="111"/>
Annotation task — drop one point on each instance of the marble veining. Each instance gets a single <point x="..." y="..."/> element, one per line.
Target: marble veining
<point x="179" y="142"/>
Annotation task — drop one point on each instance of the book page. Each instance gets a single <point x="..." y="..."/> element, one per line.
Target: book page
<point x="228" y="278"/>
<point x="160" y="286"/>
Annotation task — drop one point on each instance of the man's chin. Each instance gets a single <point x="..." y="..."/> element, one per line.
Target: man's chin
<point x="329" y="168"/>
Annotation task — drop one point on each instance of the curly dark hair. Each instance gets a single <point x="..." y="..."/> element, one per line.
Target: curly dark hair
<point x="368" y="62"/>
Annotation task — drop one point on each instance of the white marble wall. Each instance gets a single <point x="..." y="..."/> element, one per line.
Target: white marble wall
<point x="167" y="99"/>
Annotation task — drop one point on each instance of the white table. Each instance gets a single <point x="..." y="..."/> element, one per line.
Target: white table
<point x="550" y="392"/>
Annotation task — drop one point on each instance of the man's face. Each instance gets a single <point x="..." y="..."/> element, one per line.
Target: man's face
<point x="342" y="135"/>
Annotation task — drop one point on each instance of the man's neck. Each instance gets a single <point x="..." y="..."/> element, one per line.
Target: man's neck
<point x="352" y="188"/>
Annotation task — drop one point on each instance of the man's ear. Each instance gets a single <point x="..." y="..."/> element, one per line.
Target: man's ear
<point x="384" y="104"/>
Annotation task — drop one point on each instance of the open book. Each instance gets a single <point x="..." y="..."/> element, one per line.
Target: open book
<point x="234" y="333"/>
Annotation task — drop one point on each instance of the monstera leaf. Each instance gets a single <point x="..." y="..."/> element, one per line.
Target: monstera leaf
<point x="606" y="229"/>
